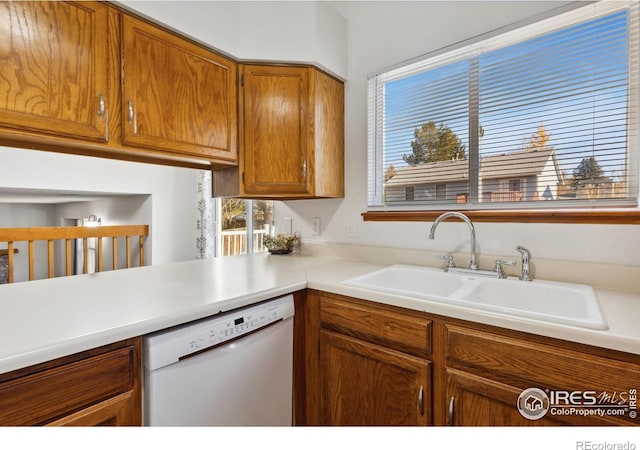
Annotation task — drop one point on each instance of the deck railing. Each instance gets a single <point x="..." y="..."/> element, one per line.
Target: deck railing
<point x="234" y="242"/>
<point x="68" y="235"/>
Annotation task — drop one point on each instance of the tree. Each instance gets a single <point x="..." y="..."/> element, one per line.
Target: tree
<point x="588" y="169"/>
<point x="434" y="143"/>
<point x="232" y="208"/>
<point x="539" y="139"/>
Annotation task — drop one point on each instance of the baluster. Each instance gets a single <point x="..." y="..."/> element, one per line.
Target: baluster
<point x="99" y="250"/>
<point x="141" y="240"/>
<point x="10" y="260"/>
<point x="51" y="263"/>
<point x="128" y="241"/>
<point x="68" y="257"/>
<point x="114" y="245"/>
<point x="32" y="270"/>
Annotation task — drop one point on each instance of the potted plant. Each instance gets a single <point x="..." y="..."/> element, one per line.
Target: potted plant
<point x="281" y="244"/>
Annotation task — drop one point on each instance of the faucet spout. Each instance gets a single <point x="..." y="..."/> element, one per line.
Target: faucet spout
<point x="472" y="263"/>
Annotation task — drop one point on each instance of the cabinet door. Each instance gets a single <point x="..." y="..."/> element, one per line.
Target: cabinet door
<point x="275" y="124"/>
<point x="478" y="401"/>
<point x="177" y="96"/>
<point x="53" y="68"/>
<point x="365" y="384"/>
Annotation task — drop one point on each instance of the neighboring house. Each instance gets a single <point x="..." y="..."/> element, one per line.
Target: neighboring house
<point x="602" y="187"/>
<point x="517" y="176"/>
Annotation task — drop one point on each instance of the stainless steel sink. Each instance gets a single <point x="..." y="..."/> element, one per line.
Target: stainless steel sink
<point x="566" y="303"/>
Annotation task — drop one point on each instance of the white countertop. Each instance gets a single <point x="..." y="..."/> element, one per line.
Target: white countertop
<point x="46" y="319"/>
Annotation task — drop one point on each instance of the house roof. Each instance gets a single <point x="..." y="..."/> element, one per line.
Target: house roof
<point x="509" y="165"/>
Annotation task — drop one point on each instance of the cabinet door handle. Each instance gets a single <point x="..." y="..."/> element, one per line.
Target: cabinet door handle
<point x="101" y="106"/>
<point x="304" y="169"/>
<point x="421" y="401"/>
<point x="130" y="111"/>
<point x="451" y="410"/>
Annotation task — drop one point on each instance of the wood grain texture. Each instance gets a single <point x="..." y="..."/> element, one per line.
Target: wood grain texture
<point x="482" y="402"/>
<point x="483" y="367"/>
<point x="328" y="142"/>
<point x="626" y="217"/>
<point x="400" y="332"/>
<point x="366" y="384"/>
<point x="554" y="367"/>
<point x="526" y="364"/>
<point x="275" y="129"/>
<point x="44" y="396"/>
<point x="183" y="97"/>
<point x="119" y="410"/>
<point x="53" y="68"/>
<point x="46" y="233"/>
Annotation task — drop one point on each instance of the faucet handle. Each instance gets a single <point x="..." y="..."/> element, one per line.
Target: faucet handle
<point x="526" y="258"/>
<point x="449" y="258"/>
<point x="499" y="269"/>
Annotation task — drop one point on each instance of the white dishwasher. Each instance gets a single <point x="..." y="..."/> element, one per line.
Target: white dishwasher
<point x="233" y="369"/>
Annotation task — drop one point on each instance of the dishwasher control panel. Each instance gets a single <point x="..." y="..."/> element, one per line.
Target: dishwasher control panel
<point x="230" y="328"/>
<point x="175" y="343"/>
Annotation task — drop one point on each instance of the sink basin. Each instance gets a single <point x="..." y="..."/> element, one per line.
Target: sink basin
<point x="570" y="304"/>
<point x="413" y="281"/>
<point x="566" y="303"/>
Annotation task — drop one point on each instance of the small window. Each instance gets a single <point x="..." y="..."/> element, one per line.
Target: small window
<point x="242" y="225"/>
<point x="409" y="193"/>
<point x="545" y="115"/>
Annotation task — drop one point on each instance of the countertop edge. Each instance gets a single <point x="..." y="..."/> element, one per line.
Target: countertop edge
<point x="288" y="275"/>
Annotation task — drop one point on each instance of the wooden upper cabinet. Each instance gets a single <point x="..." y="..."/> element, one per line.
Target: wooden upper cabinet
<point x="291" y="133"/>
<point x="275" y="123"/>
<point x="177" y="96"/>
<point x="53" y="68"/>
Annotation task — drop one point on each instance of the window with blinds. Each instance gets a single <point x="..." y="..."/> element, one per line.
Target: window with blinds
<point x="544" y="116"/>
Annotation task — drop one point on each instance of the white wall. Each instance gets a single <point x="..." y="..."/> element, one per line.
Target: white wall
<point x="171" y="205"/>
<point x="294" y="31"/>
<point x="381" y="34"/>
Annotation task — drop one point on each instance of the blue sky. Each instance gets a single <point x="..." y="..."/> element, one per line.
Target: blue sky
<point x="589" y="60"/>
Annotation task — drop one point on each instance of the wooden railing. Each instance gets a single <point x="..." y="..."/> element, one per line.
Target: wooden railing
<point x="234" y="242"/>
<point x="68" y="234"/>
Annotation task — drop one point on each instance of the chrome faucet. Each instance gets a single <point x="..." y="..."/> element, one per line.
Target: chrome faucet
<point x="526" y="257"/>
<point x="472" y="264"/>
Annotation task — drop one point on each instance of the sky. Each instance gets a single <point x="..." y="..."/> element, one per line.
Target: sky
<point x="572" y="81"/>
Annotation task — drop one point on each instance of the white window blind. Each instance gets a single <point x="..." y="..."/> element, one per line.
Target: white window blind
<point x="544" y="116"/>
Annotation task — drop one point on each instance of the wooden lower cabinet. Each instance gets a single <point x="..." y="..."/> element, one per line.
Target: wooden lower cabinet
<point x="366" y="384"/>
<point x="367" y="363"/>
<point x="477" y="401"/>
<point x="97" y="387"/>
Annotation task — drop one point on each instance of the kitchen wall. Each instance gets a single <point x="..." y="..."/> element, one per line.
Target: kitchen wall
<point x="381" y="34"/>
<point x="170" y="205"/>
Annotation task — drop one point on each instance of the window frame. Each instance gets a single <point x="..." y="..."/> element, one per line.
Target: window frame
<point x="613" y="212"/>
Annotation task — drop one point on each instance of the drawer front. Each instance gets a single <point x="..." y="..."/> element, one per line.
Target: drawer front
<point x="402" y="332"/>
<point x="530" y="364"/>
<point x="45" y="396"/>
